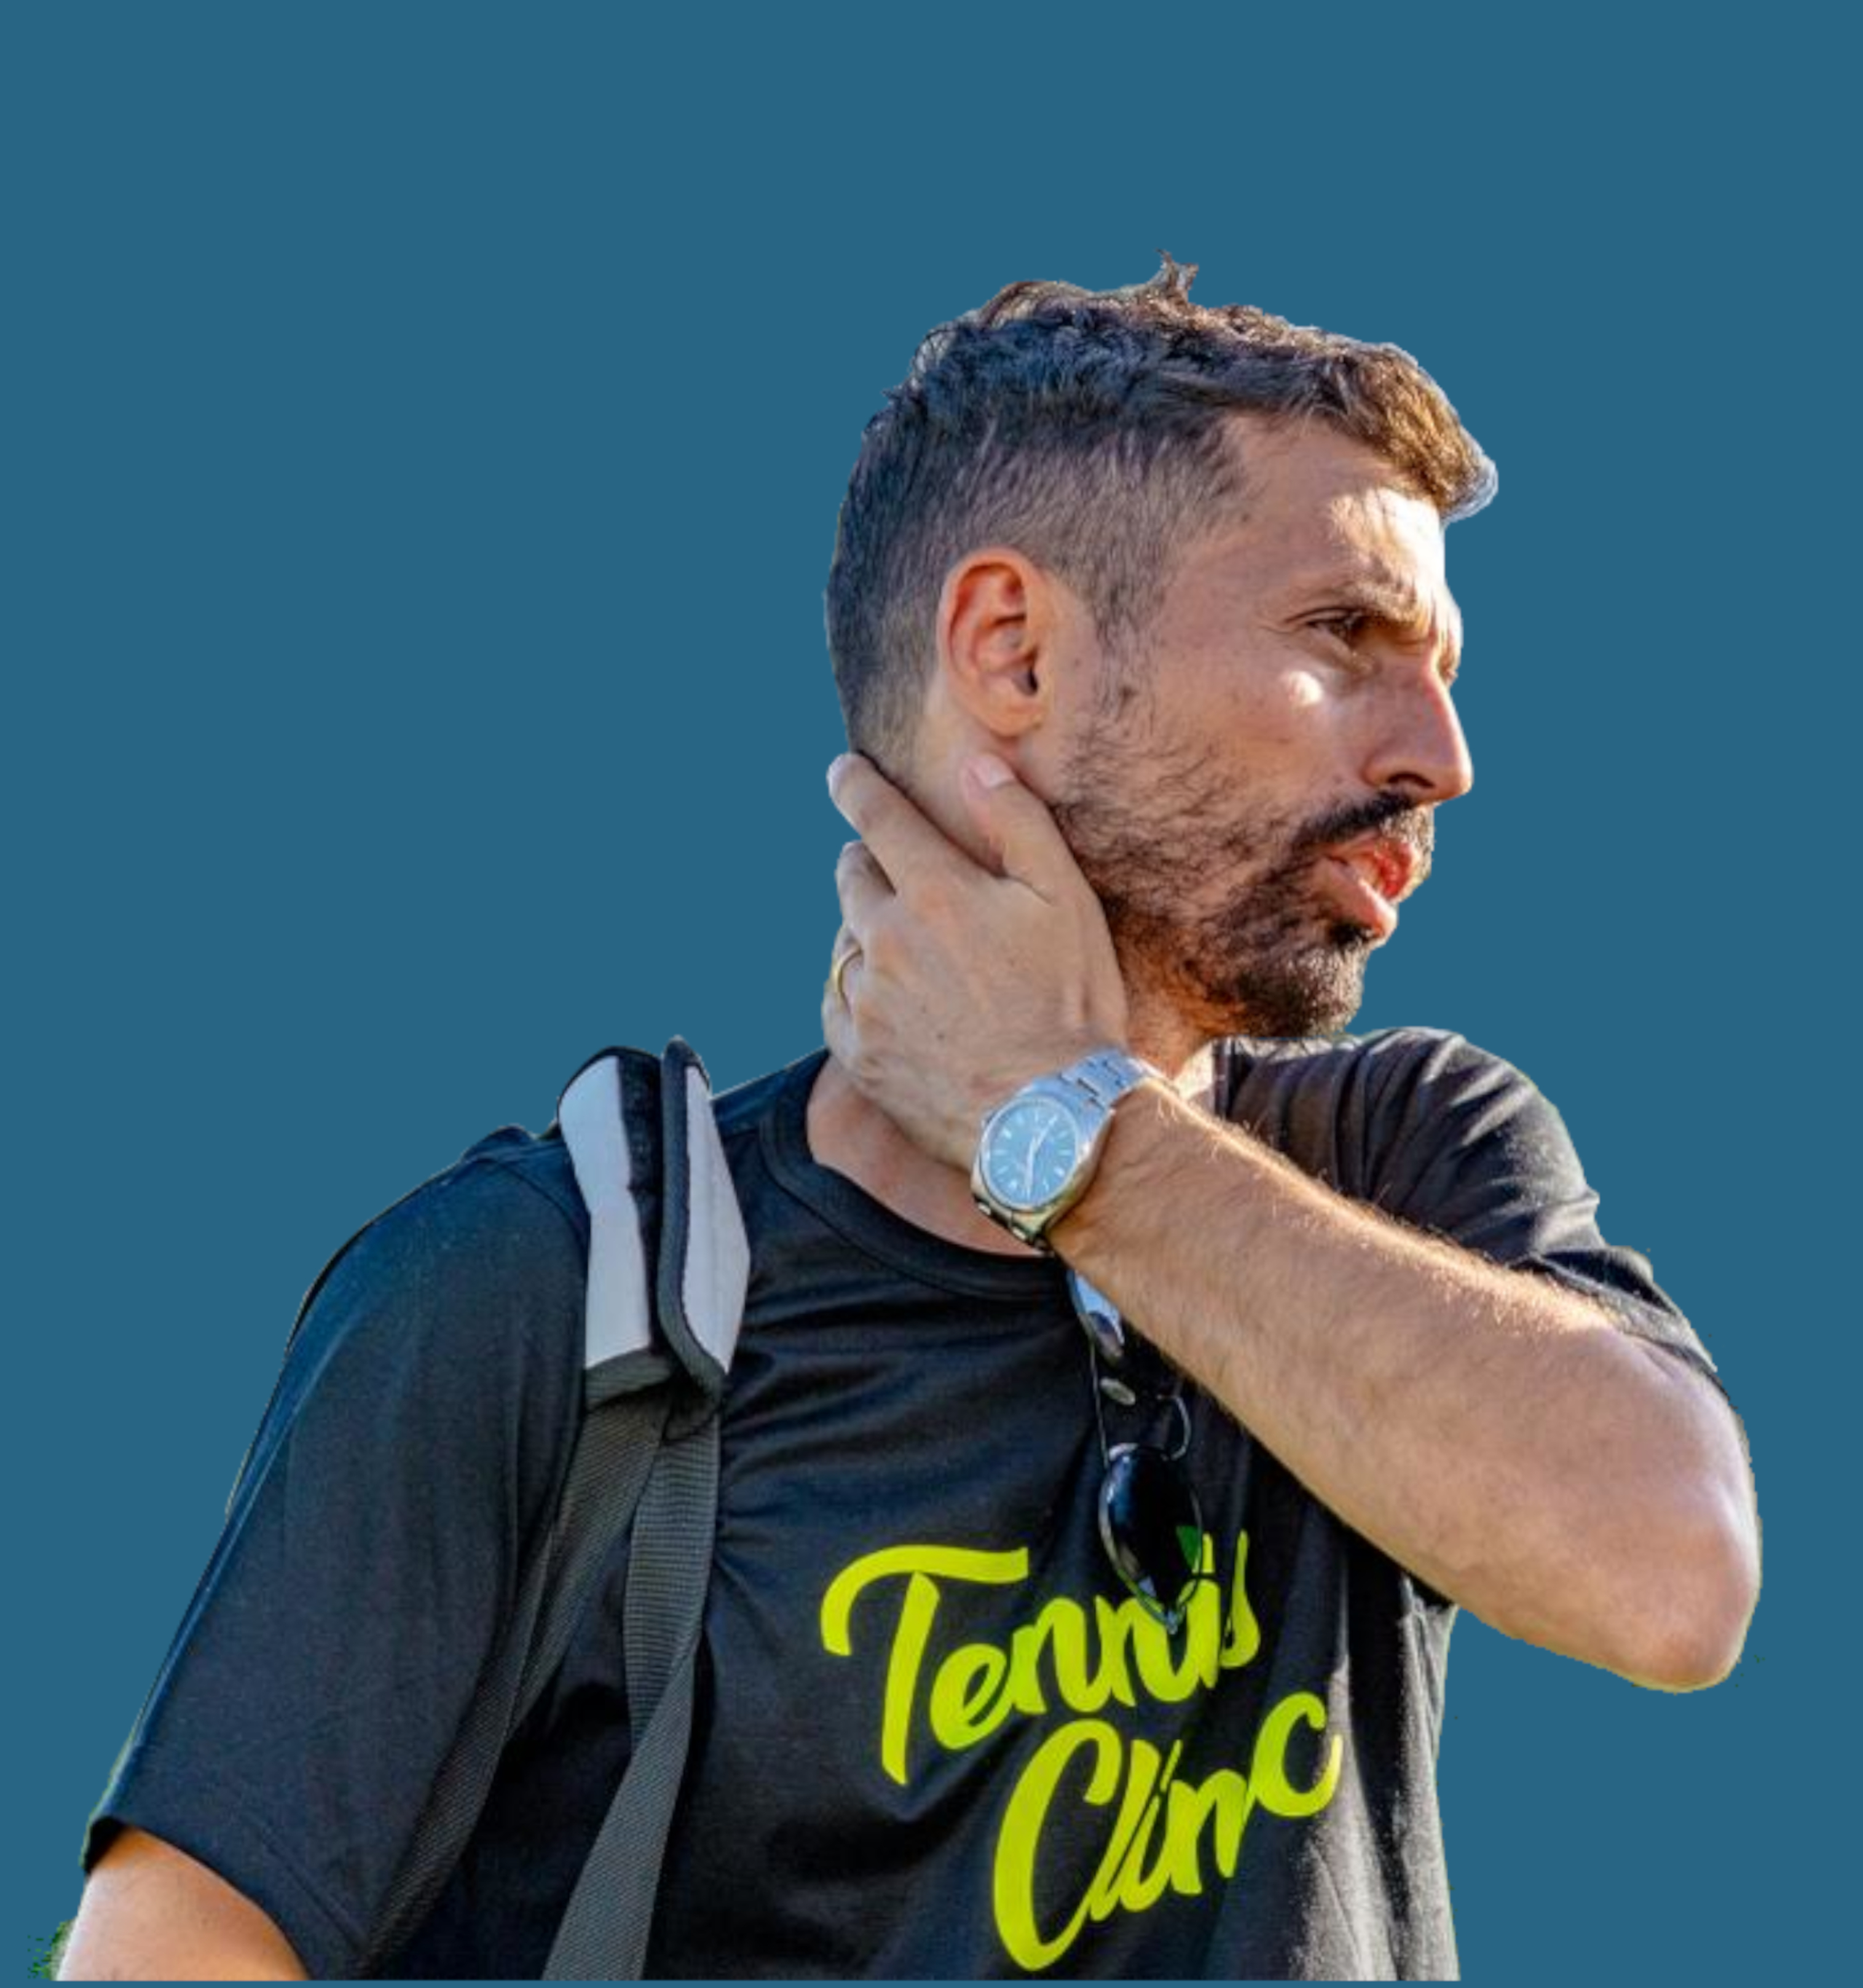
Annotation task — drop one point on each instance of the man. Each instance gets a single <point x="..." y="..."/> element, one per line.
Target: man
<point x="1028" y="1648"/>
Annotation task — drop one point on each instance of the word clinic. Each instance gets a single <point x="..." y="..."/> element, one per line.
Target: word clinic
<point x="1057" y="1661"/>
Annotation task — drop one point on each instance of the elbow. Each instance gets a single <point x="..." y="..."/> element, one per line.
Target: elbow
<point x="1694" y="1580"/>
<point x="1695" y="1605"/>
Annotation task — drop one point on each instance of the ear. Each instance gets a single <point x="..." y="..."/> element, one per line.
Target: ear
<point x="999" y="620"/>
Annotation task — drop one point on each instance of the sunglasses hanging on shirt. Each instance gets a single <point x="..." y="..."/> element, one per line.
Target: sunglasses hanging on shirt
<point x="1149" y="1522"/>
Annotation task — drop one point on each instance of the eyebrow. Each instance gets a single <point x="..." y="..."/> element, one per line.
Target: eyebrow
<point x="1390" y="601"/>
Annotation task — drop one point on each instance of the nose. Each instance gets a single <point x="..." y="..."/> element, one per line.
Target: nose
<point x="1420" y="747"/>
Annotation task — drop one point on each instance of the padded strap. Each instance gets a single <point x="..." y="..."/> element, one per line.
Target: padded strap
<point x="703" y="1270"/>
<point x="704" y="1253"/>
<point x="618" y="1315"/>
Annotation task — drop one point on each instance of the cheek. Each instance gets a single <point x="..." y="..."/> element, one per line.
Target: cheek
<point x="1301" y="690"/>
<point x="1285" y="715"/>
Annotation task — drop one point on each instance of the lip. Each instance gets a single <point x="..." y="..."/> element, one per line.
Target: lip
<point x="1391" y="861"/>
<point x="1368" y="906"/>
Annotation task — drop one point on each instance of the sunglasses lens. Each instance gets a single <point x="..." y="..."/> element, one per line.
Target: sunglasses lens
<point x="1153" y="1529"/>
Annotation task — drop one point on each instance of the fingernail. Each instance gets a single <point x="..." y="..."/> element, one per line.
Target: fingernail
<point x="834" y="769"/>
<point x="988" y="771"/>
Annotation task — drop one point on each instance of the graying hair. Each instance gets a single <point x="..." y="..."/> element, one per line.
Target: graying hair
<point x="1087" y="429"/>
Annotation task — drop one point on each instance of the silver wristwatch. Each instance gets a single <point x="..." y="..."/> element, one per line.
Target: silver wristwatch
<point x="1039" y="1150"/>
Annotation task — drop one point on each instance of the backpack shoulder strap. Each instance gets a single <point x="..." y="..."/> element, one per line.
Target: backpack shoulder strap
<point x="657" y="1345"/>
<point x="665" y="1301"/>
<point x="622" y="1120"/>
<point x="703" y="1276"/>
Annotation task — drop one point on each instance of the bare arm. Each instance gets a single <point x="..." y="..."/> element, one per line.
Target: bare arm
<point x="150" y="1912"/>
<point x="1490" y="1430"/>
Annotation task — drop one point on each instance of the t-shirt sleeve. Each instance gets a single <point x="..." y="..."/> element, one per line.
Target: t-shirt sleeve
<point x="405" y="1469"/>
<point x="1462" y="1143"/>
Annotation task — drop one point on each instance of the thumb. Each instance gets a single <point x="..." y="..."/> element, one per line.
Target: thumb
<point x="1018" y="824"/>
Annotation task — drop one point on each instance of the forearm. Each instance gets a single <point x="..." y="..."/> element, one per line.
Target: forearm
<point x="1489" y="1431"/>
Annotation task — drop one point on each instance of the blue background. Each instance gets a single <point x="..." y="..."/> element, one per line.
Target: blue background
<point x="425" y="432"/>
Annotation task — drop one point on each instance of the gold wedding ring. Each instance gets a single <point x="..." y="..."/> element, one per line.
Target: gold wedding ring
<point x="839" y="973"/>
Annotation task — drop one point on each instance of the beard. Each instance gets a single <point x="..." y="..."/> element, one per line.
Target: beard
<point x="1214" y="907"/>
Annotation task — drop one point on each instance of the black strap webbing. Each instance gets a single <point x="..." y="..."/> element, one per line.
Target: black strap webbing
<point x="604" y="1932"/>
<point x="619" y="1440"/>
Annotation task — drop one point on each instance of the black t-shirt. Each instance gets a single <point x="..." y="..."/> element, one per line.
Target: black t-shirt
<point x="933" y="1736"/>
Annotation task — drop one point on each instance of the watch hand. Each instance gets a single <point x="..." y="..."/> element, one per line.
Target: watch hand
<point x="1034" y="1155"/>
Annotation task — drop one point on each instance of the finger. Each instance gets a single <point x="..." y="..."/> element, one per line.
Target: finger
<point x="910" y="848"/>
<point x="1026" y="835"/>
<point x="863" y="887"/>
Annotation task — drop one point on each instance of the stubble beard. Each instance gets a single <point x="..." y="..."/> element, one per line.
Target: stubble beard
<point x="1211" y="904"/>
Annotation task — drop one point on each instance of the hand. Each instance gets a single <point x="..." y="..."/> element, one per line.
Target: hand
<point x="969" y="982"/>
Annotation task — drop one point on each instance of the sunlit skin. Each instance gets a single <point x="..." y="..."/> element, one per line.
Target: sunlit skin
<point x="1292" y="692"/>
<point x="1297" y="696"/>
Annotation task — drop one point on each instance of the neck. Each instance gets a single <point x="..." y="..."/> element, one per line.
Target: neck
<point x="850" y="1136"/>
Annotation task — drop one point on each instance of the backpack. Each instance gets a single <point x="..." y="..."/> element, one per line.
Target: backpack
<point x="661" y="1320"/>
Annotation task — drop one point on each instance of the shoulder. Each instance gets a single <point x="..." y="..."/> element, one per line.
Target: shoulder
<point x="1393" y="1074"/>
<point x="403" y="1478"/>
<point x="1338" y="1104"/>
<point x="1418" y="1120"/>
<point x="503" y="1222"/>
<point x="459" y="1308"/>
<point x="1384" y="1055"/>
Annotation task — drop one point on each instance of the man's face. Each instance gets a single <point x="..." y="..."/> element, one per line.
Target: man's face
<point x="1291" y="697"/>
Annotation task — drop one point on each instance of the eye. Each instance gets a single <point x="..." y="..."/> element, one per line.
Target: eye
<point x="1345" y="627"/>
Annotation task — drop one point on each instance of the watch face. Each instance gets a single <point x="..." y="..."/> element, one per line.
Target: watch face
<point x="1032" y="1148"/>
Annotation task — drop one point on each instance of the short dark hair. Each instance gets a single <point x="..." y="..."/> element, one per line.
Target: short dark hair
<point x="1087" y="429"/>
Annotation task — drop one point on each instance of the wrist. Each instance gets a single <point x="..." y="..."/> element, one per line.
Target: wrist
<point x="1138" y="1124"/>
<point x="1039" y="1150"/>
